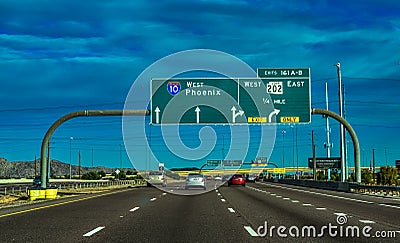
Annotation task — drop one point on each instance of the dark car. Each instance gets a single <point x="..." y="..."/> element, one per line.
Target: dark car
<point x="252" y="178"/>
<point x="237" y="179"/>
<point x="37" y="182"/>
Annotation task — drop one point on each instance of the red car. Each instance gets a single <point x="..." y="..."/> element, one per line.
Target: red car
<point x="237" y="179"/>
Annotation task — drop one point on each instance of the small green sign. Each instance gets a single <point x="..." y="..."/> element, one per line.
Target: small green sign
<point x="213" y="162"/>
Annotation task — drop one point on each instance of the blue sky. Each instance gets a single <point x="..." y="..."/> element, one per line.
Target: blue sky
<point x="59" y="57"/>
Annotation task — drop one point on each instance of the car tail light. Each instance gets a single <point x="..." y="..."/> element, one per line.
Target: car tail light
<point x="202" y="179"/>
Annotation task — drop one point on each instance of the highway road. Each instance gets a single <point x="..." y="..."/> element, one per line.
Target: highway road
<point x="224" y="214"/>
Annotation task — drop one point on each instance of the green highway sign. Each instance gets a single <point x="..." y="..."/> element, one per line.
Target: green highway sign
<point x="232" y="162"/>
<point x="269" y="99"/>
<point x="325" y="163"/>
<point x="290" y="92"/>
<point x="213" y="162"/>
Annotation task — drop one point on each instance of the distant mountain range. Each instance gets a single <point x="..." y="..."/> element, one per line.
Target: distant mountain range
<point x="22" y="169"/>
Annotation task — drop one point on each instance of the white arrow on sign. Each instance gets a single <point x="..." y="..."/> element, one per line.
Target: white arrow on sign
<point x="274" y="112"/>
<point x="234" y="114"/>
<point x="157" y="111"/>
<point x="197" y="110"/>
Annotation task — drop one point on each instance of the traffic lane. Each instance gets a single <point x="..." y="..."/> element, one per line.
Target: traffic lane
<point x="179" y="218"/>
<point x="259" y="208"/>
<point x="68" y="222"/>
<point x="380" y="210"/>
<point x="270" y="210"/>
<point x="178" y="187"/>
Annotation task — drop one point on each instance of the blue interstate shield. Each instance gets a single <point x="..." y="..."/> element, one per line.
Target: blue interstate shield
<point x="174" y="87"/>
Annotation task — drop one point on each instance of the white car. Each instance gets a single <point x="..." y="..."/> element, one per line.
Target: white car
<point x="195" y="180"/>
<point x="156" y="178"/>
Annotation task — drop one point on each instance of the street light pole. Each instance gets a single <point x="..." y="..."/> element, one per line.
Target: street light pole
<point x="120" y="156"/>
<point x="70" y="156"/>
<point x="342" y="149"/>
<point x="283" y="148"/>
<point x="297" y="157"/>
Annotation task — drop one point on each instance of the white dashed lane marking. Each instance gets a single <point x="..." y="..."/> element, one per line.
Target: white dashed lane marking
<point x="223" y="200"/>
<point x="390" y="206"/>
<point x="231" y="210"/>
<point x="320" y="208"/>
<point x="90" y="233"/>
<point x="307" y="204"/>
<point x="134" y="209"/>
<point x="153" y="199"/>
<point x="366" y="221"/>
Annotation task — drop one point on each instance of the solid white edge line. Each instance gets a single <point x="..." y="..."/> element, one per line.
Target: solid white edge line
<point x="134" y="209"/>
<point x="387" y="205"/>
<point x="327" y="195"/>
<point x="231" y="210"/>
<point x="92" y="232"/>
<point x="366" y="221"/>
<point x="250" y="231"/>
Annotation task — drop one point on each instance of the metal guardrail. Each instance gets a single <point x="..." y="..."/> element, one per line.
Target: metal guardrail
<point x="370" y="189"/>
<point x="15" y="189"/>
<point x="342" y="186"/>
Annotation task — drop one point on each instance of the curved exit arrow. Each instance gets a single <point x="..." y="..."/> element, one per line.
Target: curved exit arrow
<point x="274" y="112"/>
<point x="234" y="114"/>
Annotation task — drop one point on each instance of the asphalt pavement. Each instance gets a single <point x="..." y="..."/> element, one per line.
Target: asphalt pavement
<point x="259" y="212"/>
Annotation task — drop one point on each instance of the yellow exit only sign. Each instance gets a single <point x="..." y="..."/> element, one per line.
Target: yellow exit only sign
<point x="290" y="119"/>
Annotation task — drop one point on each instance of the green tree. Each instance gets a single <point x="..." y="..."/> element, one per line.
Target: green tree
<point x="321" y="175"/>
<point x="102" y="173"/>
<point x="352" y="177"/>
<point x="387" y="175"/>
<point x="335" y="176"/>
<point x="91" y="175"/>
<point x="122" y="175"/>
<point x="366" y="176"/>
